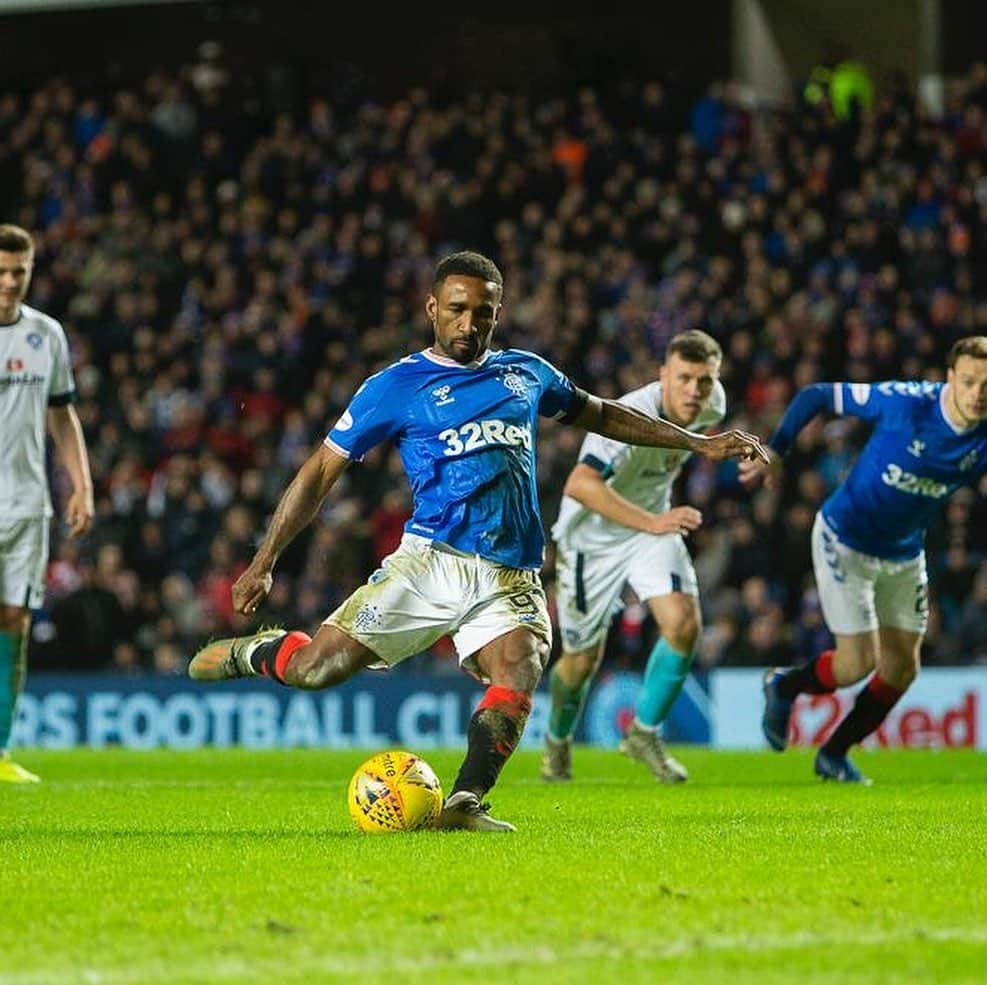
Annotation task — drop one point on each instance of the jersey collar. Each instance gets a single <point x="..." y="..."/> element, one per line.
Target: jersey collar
<point x="446" y="361"/>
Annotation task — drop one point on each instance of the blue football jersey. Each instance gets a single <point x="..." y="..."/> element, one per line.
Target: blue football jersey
<point x="466" y="436"/>
<point x="914" y="459"/>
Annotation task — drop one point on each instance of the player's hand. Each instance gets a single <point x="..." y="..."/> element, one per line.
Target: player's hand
<point x="252" y="587"/>
<point x="680" y="520"/>
<point x="732" y="444"/>
<point x="79" y="512"/>
<point x="754" y="472"/>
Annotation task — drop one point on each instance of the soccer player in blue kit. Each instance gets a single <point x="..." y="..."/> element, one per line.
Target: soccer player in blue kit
<point x="867" y="541"/>
<point x="463" y="419"/>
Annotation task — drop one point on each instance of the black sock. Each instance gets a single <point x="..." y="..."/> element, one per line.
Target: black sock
<point x="494" y="732"/>
<point x="872" y="706"/>
<point x="815" y="677"/>
<point x="264" y="656"/>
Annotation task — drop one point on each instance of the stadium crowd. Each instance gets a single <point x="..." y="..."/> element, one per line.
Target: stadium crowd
<point x="228" y="276"/>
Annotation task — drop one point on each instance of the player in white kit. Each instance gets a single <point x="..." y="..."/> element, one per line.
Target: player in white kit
<point x="616" y="527"/>
<point x="36" y="393"/>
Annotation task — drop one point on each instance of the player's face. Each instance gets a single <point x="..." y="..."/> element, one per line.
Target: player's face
<point x="463" y="315"/>
<point x="968" y="390"/>
<point x="686" y="387"/>
<point x="15" y="276"/>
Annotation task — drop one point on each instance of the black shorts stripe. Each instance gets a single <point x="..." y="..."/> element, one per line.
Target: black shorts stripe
<point x="580" y="584"/>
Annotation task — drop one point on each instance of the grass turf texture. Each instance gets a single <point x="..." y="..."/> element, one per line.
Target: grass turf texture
<point x="230" y="866"/>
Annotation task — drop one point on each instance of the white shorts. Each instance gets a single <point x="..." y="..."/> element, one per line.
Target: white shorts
<point x="425" y="590"/>
<point x="860" y="593"/>
<point x="23" y="560"/>
<point x="590" y="584"/>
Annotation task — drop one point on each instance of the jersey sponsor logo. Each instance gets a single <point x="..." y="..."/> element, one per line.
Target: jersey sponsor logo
<point x="481" y="434"/>
<point x="860" y="393"/>
<point x="441" y="394"/>
<point x="24" y="379"/>
<point x="916" y="448"/>
<point x="915" y="485"/>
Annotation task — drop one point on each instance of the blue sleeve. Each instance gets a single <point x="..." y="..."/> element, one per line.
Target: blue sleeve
<point x="808" y="402"/>
<point x="373" y="416"/>
<point x="557" y="390"/>
<point x="863" y="400"/>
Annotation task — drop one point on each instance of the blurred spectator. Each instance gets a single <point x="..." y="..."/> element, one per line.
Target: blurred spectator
<point x="227" y="278"/>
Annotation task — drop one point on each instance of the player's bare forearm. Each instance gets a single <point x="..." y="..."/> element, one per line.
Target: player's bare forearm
<point x="586" y="486"/>
<point x="623" y="423"/>
<point x="300" y="502"/>
<point x="70" y="446"/>
<point x="615" y="420"/>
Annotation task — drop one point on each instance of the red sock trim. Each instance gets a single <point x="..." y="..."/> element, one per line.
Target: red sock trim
<point x="506" y="700"/>
<point x="289" y="644"/>
<point x="883" y="692"/>
<point x="824" y="669"/>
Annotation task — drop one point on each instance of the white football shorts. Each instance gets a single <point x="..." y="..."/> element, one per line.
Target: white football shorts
<point x="590" y="584"/>
<point x="425" y="590"/>
<point x="860" y="593"/>
<point x="23" y="561"/>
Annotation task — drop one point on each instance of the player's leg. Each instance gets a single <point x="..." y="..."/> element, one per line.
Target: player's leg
<point x="402" y="610"/>
<point x="504" y="640"/>
<point x="23" y="558"/>
<point x="679" y="619"/>
<point x="660" y="572"/>
<point x="588" y="589"/>
<point x="902" y="606"/>
<point x="845" y="580"/>
<point x="568" y="686"/>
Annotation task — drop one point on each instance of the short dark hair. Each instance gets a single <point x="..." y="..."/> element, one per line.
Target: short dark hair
<point x="694" y="346"/>
<point x="468" y="264"/>
<point x="13" y="239"/>
<point x="972" y="345"/>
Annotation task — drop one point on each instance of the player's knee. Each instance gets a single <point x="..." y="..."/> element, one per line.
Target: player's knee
<point x="576" y="668"/>
<point x="681" y="631"/>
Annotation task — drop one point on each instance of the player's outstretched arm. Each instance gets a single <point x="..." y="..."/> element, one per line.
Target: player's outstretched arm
<point x="295" y="510"/>
<point x="616" y="420"/>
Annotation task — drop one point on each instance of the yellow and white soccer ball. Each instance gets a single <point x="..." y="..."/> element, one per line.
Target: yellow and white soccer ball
<point x="394" y="791"/>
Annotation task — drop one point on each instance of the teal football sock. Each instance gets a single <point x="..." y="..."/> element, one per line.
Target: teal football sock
<point x="11" y="677"/>
<point x="567" y="704"/>
<point x="663" y="679"/>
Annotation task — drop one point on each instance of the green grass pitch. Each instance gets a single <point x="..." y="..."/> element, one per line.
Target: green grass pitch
<point x="238" y="866"/>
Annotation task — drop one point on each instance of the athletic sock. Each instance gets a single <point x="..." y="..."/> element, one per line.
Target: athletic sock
<point x="494" y="732"/>
<point x="567" y="704"/>
<point x="869" y="710"/>
<point x="12" y="664"/>
<point x="271" y="657"/>
<point x="815" y="677"/>
<point x="664" y="676"/>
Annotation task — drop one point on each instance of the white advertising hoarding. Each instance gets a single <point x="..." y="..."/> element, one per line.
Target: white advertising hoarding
<point x="944" y="708"/>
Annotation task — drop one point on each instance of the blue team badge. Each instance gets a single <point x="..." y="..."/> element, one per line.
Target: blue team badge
<point x="34" y="340"/>
<point x="611" y="708"/>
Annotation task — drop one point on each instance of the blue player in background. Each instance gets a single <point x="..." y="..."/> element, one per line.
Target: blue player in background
<point x="867" y="542"/>
<point x="463" y="419"/>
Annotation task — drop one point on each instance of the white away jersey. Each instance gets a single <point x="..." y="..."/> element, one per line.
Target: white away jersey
<point x="640" y="474"/>
<point x="35" y="372"/>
